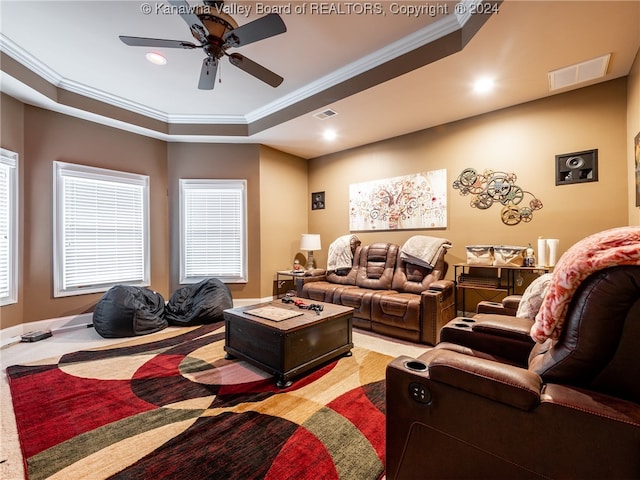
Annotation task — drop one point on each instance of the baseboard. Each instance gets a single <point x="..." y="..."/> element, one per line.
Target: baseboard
<point x="12" y="334"/>
<point x="84" y="320"/>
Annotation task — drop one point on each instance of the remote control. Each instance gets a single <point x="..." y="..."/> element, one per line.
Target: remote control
<point x="35" y="336"/>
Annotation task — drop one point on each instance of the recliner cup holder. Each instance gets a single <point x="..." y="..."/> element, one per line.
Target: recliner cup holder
<point x="468" y="320"/>
<point x="462" y="325"/>
<point x="415" y="365"/>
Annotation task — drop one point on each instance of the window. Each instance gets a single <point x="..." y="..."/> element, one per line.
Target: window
<point x="101" y="229"/>
<point x="213" y="226"/>
<point x="8" y="227"/>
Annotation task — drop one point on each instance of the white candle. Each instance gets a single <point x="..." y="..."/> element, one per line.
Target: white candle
<point x="542" y="252"/>
<point x="553" y="243"/>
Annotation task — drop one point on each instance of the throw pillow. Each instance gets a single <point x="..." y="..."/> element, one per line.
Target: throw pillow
<point x="533" y="297"/>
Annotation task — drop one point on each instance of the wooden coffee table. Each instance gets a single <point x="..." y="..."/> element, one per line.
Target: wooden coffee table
<point x="287" y="347"/>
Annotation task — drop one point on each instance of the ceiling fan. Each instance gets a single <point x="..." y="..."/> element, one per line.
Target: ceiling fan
<point x="217" y="32"/>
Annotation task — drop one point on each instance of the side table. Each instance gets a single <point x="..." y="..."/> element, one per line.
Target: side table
<point x="281" y="278"/>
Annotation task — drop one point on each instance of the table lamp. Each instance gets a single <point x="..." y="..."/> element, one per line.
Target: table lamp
<point x="310" y="242"/>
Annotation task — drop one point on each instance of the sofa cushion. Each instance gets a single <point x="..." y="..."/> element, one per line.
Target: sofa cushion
<point x="346" y="276"/>
<point x="376" y="266"/>
<point x="413" y="278"/>
<point x="400" y="310"/>
<point x="319" y="291"/>
<point x="359" y="299"/>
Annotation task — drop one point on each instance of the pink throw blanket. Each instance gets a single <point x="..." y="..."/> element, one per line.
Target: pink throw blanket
<point x="618" y="246"/>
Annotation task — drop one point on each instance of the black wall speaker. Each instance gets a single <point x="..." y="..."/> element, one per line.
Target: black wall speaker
<point x="317" y="201"/>
<point x="577" y="167"/>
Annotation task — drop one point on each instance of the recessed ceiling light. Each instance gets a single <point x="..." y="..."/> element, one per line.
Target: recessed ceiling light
<point x="483" y="85"/>
<point x="329" y="135"/>
<point x="156" y="58"/>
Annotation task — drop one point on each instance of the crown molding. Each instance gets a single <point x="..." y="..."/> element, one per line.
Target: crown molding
<point x="428" y="34"/>
<point x="431" y="32"/>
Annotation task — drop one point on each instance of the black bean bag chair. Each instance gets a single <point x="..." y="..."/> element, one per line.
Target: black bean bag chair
<point x="127" y="311"/>
<point x="199" y="303"/>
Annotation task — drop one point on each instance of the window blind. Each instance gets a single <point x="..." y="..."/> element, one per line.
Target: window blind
<point x="213" y="230"/>
<point x="8" y="227"/>
<point x="101" y="229"/>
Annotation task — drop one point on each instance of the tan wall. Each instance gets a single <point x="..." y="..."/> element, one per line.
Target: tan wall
<point x="522" y="139"/>
<point x="633" y="129"/>
<point x="12" y="138"/>
<point x="284" y="204"/>
<point x="217" y="161"/>
<point x="51" y="136"/>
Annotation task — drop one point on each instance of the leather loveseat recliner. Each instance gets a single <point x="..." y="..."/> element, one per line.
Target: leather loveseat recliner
<point x="389" y="295"/>
<point x="571" y="411"/>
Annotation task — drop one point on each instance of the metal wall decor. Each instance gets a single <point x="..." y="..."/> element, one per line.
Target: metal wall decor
<point x="489" y="187"/>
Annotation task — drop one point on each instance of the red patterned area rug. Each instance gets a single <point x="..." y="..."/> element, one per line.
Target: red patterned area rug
<point x="173" y="407"/>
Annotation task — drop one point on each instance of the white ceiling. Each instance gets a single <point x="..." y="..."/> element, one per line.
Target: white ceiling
<point x="355" y="64"/>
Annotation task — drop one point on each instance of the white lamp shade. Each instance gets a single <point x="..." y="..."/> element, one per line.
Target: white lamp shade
<point x="310" y="242"/>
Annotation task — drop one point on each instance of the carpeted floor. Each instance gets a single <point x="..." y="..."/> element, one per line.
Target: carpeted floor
<point x="171" y="406"/>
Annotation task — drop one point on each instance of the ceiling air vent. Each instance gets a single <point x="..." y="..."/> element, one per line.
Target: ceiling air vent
<point x="323" y="115"/>
<point x="579" y="73"/>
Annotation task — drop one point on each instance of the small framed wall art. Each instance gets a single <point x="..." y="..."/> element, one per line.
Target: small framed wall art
<point x="317" y="201"/>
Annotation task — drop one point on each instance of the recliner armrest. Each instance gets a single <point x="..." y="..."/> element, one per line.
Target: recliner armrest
<point x="508" y="306"/>
<point x="316" y="272"/>
<point x="441" y="285"/>
<point x="438" y="308"/>
<point x="503" y="326"/>
<point x="500" y="382"/>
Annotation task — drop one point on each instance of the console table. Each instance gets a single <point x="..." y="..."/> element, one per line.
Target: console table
<point x="490" y="278"/>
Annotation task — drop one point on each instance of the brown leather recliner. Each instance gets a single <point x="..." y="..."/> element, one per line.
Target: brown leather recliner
<point x="572" y="411"/>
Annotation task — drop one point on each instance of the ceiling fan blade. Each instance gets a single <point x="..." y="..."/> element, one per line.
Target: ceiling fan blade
<point x="265" y="27"/>
<point x="155" y="42"/>
<point x="258" y="71"/>
<point x="208" y="73"/>
<point x="186" y="12"/>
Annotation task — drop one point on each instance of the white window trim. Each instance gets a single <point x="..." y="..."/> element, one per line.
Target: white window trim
<point x="242" y="276"/>
<point x="10" y="159"/>
<point x="61" y="169"/>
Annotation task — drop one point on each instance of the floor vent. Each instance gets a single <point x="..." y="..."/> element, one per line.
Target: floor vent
<point x="579" y="73"/>
<point x="323" y="115"/>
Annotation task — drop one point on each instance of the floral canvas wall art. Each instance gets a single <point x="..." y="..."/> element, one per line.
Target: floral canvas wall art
<point x="417" y="201"/>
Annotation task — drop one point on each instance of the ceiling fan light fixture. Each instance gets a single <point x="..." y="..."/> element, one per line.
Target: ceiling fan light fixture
<point x="217" y="22"/>
<point x="156" y="58"/>
<point x="216" y="32"/>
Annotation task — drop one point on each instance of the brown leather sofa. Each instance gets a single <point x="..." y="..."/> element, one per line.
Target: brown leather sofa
<point x="571" y="411"/>
<point x="389" y="295"/>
